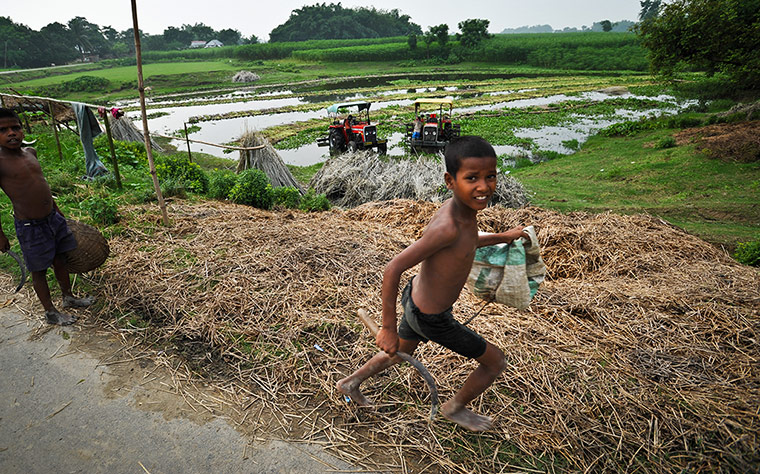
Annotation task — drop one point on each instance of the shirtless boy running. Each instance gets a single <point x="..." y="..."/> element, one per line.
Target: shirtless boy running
<point x="40" y="226"/>
<point x="446" y="250"/>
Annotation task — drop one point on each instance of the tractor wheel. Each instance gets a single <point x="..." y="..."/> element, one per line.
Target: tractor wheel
<point x="352" y="146"/>
<point x="382" y="148"/>
<point x="336" y="141"/>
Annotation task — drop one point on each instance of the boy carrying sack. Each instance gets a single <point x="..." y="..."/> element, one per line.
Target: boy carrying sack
<point x="446" y="251"/>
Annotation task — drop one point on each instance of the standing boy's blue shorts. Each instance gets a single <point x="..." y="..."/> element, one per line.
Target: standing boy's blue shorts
<point x="441" y="328"/>
<point x="42" y="239"/>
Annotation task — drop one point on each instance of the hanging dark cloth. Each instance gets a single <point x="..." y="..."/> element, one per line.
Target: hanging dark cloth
<point x="89" y="128"/>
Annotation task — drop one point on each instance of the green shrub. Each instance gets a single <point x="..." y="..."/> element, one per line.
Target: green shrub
<point x="220" y="183"/>
<point x="180" y="168"/>
<point x="102" y="210"/>
<point x="252" y="188"/>
<point x="173" y="187"/>
<point x="86" y="84"/>
<point x="286" y="196"/>
<point x="748" y="253"/>
<point x="314" y="202"/>
<point x="523" y="162"/>
<point x="666" y="142"/>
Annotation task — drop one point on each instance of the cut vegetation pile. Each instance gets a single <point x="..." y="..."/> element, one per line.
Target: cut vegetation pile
<point x="351" y="179"/>
<point x="265" y="158"/>
<point x="738" y="142"/>
<point x="639" y="354"/>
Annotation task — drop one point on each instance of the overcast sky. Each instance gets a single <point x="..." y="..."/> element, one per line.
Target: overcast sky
<point x="259" y="17"/>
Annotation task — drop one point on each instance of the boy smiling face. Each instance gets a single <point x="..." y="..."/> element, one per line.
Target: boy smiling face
<point x="475" y="182"/>
<point x="11" y="133"/>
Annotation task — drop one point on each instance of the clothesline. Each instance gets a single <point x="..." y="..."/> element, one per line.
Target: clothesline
<point x="32" y="97"/>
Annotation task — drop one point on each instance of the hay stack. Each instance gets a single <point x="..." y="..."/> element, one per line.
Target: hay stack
<point x="123" y="129"/>
<point x="266" y="159"/>
<point x="639" y="353"/>
<point x="352" y="179"/>
<point x="245" y="76"/>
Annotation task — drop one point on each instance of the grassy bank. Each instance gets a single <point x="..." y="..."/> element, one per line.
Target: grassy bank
<point x="713" y="199"/>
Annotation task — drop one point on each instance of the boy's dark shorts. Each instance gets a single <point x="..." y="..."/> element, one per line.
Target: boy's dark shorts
<point x="42" y="239"/>
<point x="441" y="328"/>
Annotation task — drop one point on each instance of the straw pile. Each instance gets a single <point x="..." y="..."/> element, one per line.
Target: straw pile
<point x="245" y="76"/>
<point x="123" y="129"/>
<point x="639" y="354"/>
<point x="266" y="159"/>
<point x="351" y="179"/>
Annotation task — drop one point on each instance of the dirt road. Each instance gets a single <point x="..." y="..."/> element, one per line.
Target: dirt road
<point x="67" y="406"/>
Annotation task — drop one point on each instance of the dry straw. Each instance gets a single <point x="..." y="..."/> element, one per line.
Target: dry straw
<point x="351" y="179"/>
<point x="639" y="354"/>
<point x="265" y="159"/>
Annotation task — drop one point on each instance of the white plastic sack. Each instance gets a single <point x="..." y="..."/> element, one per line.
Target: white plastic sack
<point x="508" y="273"/>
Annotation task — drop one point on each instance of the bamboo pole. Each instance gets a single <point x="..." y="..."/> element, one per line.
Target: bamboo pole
<point x="187" y="139"/>
<point x="115" y="163"/>
<point x="55" y="131"/>
<point x="146" y="133"/>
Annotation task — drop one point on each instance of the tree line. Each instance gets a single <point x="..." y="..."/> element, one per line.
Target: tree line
<point x="79" y="39"/>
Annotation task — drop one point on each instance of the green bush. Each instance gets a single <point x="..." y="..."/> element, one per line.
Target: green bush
<point x="102" y="210"/>
<point x="286" y="196"/>
<point x="666" y="142"/>
<point x="748" y="253"/>
<point x="220" y="183"/>
<point x="180" y="168"/>
<point x="86" y="84"/>
<point x="173" y="187"/>
<point x="252" y="188"/>
<point x="313" y="202"/>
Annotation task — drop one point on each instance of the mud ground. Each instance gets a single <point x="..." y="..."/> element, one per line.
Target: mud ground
<point x="70" y="402"/>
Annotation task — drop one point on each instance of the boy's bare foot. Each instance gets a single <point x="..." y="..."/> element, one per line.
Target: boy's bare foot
<point x="61" y="319"/>
<point x="72" y="302"/>
<point x="346" y="387"/>
<point x="465" y="417"/>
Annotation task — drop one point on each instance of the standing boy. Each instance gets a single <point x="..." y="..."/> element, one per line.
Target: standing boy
<point x="446" y="251"/>
<point x="40" y="227"/>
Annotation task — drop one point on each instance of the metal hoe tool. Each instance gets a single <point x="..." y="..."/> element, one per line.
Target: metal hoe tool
<point x="21" y="265"/>
<point x="365" y="318"/>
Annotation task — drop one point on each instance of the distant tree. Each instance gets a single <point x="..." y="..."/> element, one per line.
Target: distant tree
<point x="649" y="9"/>
<point x="228" y="36"/>
<point x="87" y="37"/>
<point x="606" y="25"/>
<point x="711" y="35"/>
<point x="411" y="40"/>
<point x="473" y="31"/>
<point x="323" y="21"/>
<point x="441" y="33"/>
<point x="253" y="39"/>
<point x="173" y="35"/>
<point x="58" y="42"/>
<point x="199" y="32"/>
<point x="428" y="38"/>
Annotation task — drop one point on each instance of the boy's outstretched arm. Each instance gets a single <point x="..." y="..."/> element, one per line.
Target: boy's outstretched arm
<point x="502" y="237"/>
<point x="436" y="237"/>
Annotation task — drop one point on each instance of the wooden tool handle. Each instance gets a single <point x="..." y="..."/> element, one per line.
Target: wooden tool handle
<point x="367" y="320"/>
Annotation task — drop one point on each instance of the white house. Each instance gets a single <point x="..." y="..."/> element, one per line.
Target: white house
<point x="197" y="44"/>
<point x="214" y="44"/>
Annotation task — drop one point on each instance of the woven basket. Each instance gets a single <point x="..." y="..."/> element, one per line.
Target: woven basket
<point x="92" y="248"/>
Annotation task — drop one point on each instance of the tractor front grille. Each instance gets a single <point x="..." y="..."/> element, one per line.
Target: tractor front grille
<point x="370" y="133"/>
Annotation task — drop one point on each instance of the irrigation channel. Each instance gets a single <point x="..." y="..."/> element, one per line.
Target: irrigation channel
<point x="530" y="109"/>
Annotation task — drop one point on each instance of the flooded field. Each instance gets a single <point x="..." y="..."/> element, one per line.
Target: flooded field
<point x="293" y="116"/>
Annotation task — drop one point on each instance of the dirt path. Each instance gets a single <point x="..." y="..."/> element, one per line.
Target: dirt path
<point x="68" y="403"/>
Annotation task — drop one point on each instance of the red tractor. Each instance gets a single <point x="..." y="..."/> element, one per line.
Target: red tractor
<point x="431" y="131"/>
<point x="350" y="133"/>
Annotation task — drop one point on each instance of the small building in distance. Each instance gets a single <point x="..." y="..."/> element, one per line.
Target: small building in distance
<point x="214" y="44"/>
<point x="197" y="44"/>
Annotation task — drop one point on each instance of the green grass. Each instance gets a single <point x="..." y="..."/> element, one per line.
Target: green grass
<point x="707" y="197"/>
<point x="129" y="73"/>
